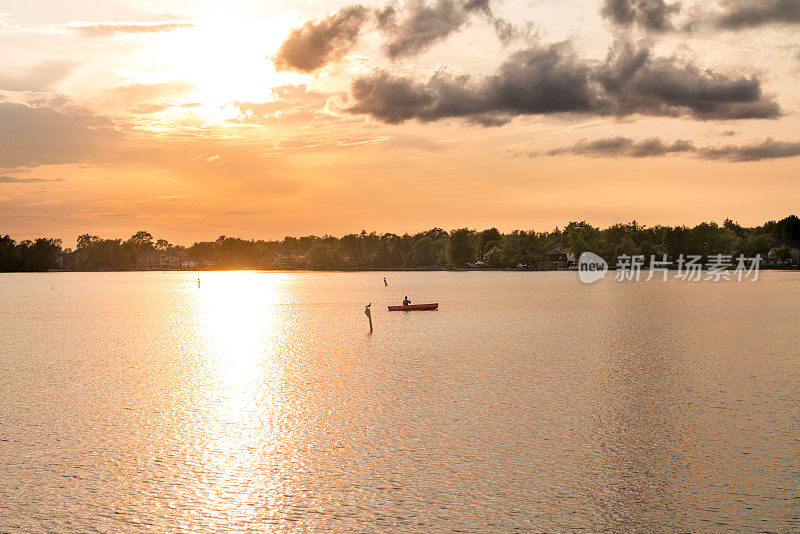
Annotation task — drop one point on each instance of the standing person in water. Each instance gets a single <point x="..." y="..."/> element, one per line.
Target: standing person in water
<point x="406" y="302"/>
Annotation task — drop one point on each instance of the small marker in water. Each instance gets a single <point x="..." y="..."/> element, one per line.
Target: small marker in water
<point x="198" y="283"/>
<point x="368" y="313"/>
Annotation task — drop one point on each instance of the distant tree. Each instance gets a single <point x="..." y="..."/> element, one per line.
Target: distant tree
<point x="581" y="236"/>
<point x="734" y="227"/>
<point x="493" y="257"/>
<point x="9" y="255"/>
<point x="142" y="240"/>
<point x="392" y="250"/>
<point x="85" y="240"/>
<point x="352" y="247"/>
<point x="39" y="255"/>
<point x="426" y="248"/>
<point x="579" y="246"/>
<point x="422" y="252"/>
<point x="203" y="251"/>
<point x="783" y="254"/>
<point x="102" y="255"/>
<point x="788" y="228"/>
<point x="626" y="247"/>
<point x="757" y="244"/>
<point x="321" y="256"/>
<point x="460" y="247"/>
<point x="487" y="240"/>
<point x="439" y="251"/>
<point x="236" y="253"/>
<point x="677" y="241"/>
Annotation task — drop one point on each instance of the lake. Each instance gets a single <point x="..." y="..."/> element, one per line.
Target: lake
<point x="529" y="402"/>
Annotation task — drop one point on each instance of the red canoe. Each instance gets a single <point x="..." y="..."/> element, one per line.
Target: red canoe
<point x="413" y="307"/>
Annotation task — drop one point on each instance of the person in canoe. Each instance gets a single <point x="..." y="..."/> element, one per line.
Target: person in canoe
<point x="406" y="302"/>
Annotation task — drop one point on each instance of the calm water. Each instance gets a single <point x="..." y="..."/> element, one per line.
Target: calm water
<point x="136" y="402"/>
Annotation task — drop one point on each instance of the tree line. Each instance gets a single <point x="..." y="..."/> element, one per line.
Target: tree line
<point x="434" y="248"/>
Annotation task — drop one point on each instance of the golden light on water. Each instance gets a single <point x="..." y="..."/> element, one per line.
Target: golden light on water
<point x="239" y="310"/>
<point x="239" y="318"/>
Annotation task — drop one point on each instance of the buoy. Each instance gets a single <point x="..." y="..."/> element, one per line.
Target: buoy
<point x="198" y="283"/>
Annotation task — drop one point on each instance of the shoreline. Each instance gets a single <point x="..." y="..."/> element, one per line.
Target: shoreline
<point x="387" y="270"/>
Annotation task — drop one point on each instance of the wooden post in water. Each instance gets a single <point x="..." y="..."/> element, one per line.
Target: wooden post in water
<point x="198" y="283"/>
<point x="368" y="313"/>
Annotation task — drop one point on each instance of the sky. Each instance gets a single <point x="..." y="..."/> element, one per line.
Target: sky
<point x="264" y="119"/>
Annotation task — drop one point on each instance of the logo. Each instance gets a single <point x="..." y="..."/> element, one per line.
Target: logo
<point x="591" y="267"/>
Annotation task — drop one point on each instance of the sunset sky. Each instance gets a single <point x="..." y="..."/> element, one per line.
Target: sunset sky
<point x="264" y="119"/>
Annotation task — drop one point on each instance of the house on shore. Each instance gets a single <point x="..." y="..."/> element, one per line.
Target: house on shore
<point x="164" y="260"/>
<point x="276" y="260"/>
<point x="560" y="259"/>
<point x="66" y="260"/>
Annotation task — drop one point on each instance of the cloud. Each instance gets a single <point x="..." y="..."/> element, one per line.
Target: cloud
<point x="143" y="98"/>
<point x="424" y="25"/>
<point x="656" y="15"/>
<point x="289" y="103"/>
<point x="32" y="135"/>
<point x="15" y="180"/>
<point x="40" y="77"/>
<point x="548" y="79"/>
<point x="636" y="82"/>
<point x="652" y="15"/>
<point x="766" y="149"/>
<point x="317" y="43"/>
<point x="109" y="29"/>
<point x="624" y="147"/>
<point x="534" y="81"/>
<point x="739" y="14"/>
<point x="407" y="32"/>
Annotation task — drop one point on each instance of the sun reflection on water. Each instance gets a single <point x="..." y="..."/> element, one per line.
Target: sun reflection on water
<point x="243" y="424"/>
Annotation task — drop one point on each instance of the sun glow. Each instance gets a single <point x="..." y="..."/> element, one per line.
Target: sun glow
<point x="224" y="56"/>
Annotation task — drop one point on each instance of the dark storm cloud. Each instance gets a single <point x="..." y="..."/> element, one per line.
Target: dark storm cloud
<point x="624" y="147"/>
<point x="423" y="24"/>
<point x="636" y="82"/>
<point x="739" y="14"/>
<point x="390" y="99"/>
<point x="767" y="149"/>
<point x="656" y="15"/>
<point x="534" y="81"/>
<point x="317" y="43"/>
<point x="105" y="30"/>
<point x="652" y="15"/>
<point x="553" y="79"/>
